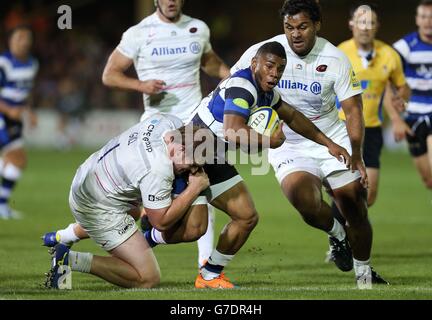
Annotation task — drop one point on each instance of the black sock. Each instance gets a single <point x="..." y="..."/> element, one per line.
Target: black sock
<point x="150" y="241"/>
<point x="213" y="267"/>
<point x="337" y="214"/>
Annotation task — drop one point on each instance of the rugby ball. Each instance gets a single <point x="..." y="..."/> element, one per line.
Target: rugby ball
<point x="264" y="120"/>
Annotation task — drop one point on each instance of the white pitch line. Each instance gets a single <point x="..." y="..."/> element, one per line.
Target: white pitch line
<point x="295" y="289"/>
<point x="263" y="289"/>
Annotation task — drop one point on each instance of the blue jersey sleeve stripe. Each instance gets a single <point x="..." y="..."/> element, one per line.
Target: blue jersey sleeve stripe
<point x="241" y="114"/>
<point x="237" y="92"/>
<point x="230" y="106"/>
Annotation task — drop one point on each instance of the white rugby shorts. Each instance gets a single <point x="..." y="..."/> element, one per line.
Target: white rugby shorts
<point x="107" y="229"/>
<point x="315" y="159"/>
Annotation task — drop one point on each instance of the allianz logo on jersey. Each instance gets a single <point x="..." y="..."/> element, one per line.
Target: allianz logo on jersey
<point x="314" y="87"/>
<point x="194" y="47"/>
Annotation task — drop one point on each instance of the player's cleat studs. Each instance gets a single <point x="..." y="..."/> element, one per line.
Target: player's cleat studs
<point x="377" y="279"/>
<point x="60" y="274"/>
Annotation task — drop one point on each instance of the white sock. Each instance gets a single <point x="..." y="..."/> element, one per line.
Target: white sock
<point x="11" y="172"/>
<point x="80" y="261"/>
<point x="68" y="236"/>
<point x="337" y="231"/>
<point x="4" y="207"/>
<point x="205" y="243"/>
<point x="220" y="259"/>
<point x="360" y="266"/>
<point x="208" y="275"/>
<point x="217" y="259"/>
<point x="5" y="193"/>
<point x="156" y="236"/>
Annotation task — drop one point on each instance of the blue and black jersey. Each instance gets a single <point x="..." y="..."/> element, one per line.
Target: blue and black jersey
<point x="417" y="62"/>
<point x="16" y="84"/>
<point x="16" y="78"/>
<point x="239" y="94"/>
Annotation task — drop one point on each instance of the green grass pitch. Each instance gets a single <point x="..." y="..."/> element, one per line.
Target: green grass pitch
<point x="283" y="258"/>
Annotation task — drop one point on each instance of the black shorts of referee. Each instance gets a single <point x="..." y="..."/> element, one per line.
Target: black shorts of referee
<point x="372" y="146"/>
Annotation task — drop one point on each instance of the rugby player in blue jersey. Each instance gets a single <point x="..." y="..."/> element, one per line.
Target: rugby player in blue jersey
<point x="226" y="112"/>
<point x="416" y="52"/>
<point x="18" y="70"/>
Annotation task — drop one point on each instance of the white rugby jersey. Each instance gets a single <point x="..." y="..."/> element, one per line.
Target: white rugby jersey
<point x="313" y="83"/>
<point x="131" y="169"/>
<point x="170" y="52"/>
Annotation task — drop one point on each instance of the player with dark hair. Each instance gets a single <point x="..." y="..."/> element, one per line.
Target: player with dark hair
<point x="226" y="111"/>
<point x="416" y="52"/>
<point x="18" y="70"/>
<point x="318" y="73"/>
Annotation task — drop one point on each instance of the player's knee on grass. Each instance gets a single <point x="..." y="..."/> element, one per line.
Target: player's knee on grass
<point x="146" y="280"/>
<point x="147" y="283"/>
<point x="142" y="282"/>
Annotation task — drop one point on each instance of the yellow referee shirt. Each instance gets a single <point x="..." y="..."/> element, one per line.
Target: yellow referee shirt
<point x="384" y="66"/>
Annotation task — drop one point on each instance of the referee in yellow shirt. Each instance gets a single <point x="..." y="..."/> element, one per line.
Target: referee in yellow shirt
<point x="378" y="66"/>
